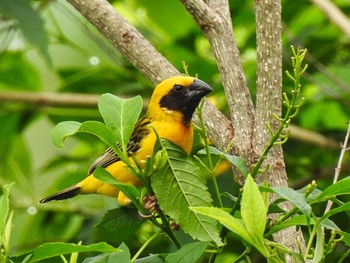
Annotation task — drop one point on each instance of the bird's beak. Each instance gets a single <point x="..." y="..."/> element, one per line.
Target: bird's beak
<point x="198" y="89"/>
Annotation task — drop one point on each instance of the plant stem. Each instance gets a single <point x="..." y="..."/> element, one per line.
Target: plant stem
<point x="243" y="255"/>
<point x="206" y="145"/>
<point x="167" y="229"/>
<point x="138" y="253"/>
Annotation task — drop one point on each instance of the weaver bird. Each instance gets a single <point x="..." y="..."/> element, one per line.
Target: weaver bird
<point x="170" y="111"/>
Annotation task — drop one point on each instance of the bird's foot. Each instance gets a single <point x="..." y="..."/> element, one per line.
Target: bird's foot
<point x="150" y="204"/>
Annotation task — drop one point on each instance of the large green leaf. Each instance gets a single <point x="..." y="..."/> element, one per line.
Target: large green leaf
<point x="296" y="198"/>
<point x="120" y="115"/>
<point x="178" y="186"/>
<point x="69" y="128"/>
<point x="123" y="256"/>
<point x="235" y="225"/>
<point x="253" y="211"/>
<point x="49" y="250"/>
<point x="120" y="219"/>
<point x="190" y="252"/>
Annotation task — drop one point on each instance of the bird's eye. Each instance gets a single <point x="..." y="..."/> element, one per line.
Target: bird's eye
<point x="178" y="88"/>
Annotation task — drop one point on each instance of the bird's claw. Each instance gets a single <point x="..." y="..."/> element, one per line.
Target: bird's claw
<point x="150" y="204"/>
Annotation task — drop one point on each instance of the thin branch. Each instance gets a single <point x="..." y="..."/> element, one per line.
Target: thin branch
<point x="80" y="100"/>
<point x="56" y="99"/>
<point x="312" y="137"/>
<point x="338" y="168"/>
<point x="334" y="14"/>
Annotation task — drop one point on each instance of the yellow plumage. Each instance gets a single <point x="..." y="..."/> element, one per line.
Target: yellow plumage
<point x="169" y="113"/>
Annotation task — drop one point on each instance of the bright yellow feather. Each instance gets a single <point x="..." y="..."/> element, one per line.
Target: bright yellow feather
<point x="167" y="117"/>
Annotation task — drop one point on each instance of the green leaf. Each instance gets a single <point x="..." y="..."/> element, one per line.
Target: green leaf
<point x="333" y="211"/>
<point x="190" y="252"/>
<point x="178" y="186"/>
<point x="296" y="198"/>
<point x="253" y="210"/>
<point x="120" y="115"/>
<point x="119" y="219"/>
<point x="49" y="250"/>
<point x="30" y="23"/>
<point x="151" y="259"/>
<point x="233" y="224"/>
<point x="319" y="249"/>
<point x="105" y="258"/>
<point x="237" y="161"/>
<point x="69" y="128"/>
<point x="123" y="256"/>
<point x="63" y="130"/>
<point x="302" y="220"/>
<point x="129" y="190"/>
<point x="4" y="208"/>
<point x="345" y="237"/>
<point x="341" y="187"/>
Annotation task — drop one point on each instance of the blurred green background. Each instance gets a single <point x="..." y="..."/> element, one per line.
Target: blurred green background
<point x="46" y="46"/>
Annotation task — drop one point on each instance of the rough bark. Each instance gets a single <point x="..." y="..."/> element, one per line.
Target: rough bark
<point x="269" y="101"/>
<point x="214" y="18"/>
<point x="134" y="47"/>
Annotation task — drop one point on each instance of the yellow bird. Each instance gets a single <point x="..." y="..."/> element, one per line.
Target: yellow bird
<point x="170" y="111"/>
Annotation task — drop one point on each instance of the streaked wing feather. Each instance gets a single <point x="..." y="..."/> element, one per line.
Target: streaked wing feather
<point x="109" y="156"/>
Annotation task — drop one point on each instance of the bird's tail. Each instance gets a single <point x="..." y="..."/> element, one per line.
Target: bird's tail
<point x="61" y="195"/>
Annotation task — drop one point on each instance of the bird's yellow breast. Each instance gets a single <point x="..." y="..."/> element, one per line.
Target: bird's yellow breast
<point x="179" y="134"/>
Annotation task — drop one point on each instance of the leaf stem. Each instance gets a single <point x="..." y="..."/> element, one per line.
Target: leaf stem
<point x="243" y="255"/>
<point x="142" y="248"/>
<point x="206" y="145"/>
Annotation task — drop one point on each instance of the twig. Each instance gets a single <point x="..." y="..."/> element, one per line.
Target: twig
<point x="338" y="168"/>
<point x="334" y="14"/>
<point x="50" y="98"/>
<point x="311" y="137"/>
<point x="55" y="99"/>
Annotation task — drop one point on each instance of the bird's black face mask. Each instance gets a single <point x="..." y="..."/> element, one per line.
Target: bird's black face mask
<point x="185" y="99"/>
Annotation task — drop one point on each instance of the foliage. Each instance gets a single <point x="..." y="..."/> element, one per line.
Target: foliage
<point x="174" y="178"/>
<point x="82" y="61"/>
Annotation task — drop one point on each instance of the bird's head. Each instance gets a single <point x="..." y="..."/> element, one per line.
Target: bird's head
<point x="177" y="97"/>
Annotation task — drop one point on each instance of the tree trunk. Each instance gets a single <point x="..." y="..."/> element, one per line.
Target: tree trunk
<point x="268" y="102"/>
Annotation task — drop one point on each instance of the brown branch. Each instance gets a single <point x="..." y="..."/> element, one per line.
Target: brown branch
<point x="268" y="102"/>
<point x="79" y="100"/>
<point x="344" y="148"/>
<point x="126" y="39"/>
<point x="134" y="47"/>
<point x="334" y="14"/>
<point x="312" y="137"/>
<point x="214" y="19"/>
<point x="51" y="99"/>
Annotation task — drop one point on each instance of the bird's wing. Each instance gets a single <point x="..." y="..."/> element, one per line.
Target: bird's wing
<point x="109" y="156"/>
